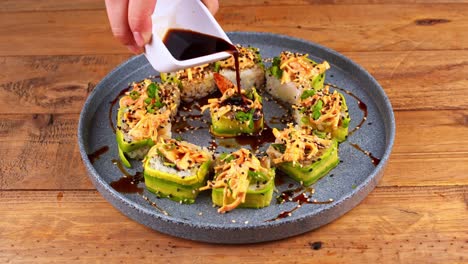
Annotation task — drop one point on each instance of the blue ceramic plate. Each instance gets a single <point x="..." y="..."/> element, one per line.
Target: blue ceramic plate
<point x="348" y="184"/>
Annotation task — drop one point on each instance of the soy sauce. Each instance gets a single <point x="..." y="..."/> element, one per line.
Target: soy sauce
<point x="185" y="44"/>
<point x="97" y="154"/>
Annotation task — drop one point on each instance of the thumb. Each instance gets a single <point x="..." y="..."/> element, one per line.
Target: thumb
<point x="139" y="20"/>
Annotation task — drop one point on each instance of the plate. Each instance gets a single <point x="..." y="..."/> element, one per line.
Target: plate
<point x="363" y="156"/>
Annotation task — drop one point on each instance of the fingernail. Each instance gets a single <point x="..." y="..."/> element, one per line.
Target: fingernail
<point x="133" y="49"/>
<point x="139" y="39"/>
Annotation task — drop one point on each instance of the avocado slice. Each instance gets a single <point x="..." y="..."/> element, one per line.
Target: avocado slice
<point x="340" y="133"/>
<point x="258" y="181"/>
<point x="235" y="123"/>
<point x="174" y="187"/>
<point x="311" y="173"/>
<point x="126" y="148"/>
<point x="169" y="182"/>
<point x="258" y="196"/>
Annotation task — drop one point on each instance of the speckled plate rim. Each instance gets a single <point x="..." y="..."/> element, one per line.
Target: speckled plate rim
<point x="254" y="233"/>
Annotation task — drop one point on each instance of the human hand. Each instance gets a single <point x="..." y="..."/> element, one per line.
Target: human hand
<point x="130" y="20"/>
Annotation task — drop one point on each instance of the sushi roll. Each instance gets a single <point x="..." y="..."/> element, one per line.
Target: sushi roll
<point x="194" y="83"/>
<point x="303" y="156"/>
<point x="251" y="68"/>
<point x="291" y="73"/>
<point x="144" y="115"/>
<point x="323" y="111"/>
<point x="176" y="170"/>
<point x="241" y="180"/>
<point x="235" y="114"/>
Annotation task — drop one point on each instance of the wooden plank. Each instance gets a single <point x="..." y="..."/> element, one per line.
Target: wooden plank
<point x="405" y="224"/>
<point x="419" y="27"/>
<point x="430" y="149"/>
<point x="60" y="84"/>
<point x="51" y="5"/>
<point x="419" y="80"/>
<point x="41" y="152"/>
<point x="331" y="25"/>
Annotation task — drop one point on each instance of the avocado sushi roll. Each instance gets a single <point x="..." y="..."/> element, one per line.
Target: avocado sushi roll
<point x="292" y="73"/>
<point x="176" y="169"/>
<point x="194" y="83"/>
<point x="323" y="111"/>
<point x="303" y="156"/>
<point x="241" y="180"/>
<point x="251" y="68"/>
<point x="235" y="114"/>
<point x="144" y="116"/>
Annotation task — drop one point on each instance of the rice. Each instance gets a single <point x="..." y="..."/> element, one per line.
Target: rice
<point x="196" y="89"/>
<point x="155" y="163"/>
<point x="253" y="77"/>
<point x="139" y="153"/>
<point x="287" y="92"/>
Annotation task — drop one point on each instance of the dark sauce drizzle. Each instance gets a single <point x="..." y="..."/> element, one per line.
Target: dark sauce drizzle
<point x="112" y="103"/>
<point x="373" y="159"/>
<point x="361" y="106"/>
<point x="97" y="154"/>
<point x="128" y="183"/>
<point x="301" y="195"/>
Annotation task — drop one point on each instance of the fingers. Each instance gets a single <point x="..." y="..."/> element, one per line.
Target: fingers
<point x="212" y="5"/>
<point x="139" y="20"/>
<point x="117" y="13"/>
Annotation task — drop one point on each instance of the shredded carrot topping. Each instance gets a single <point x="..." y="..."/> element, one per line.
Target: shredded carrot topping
<point x="182" y="154"/>
<point x="299" y="68"/>
<point x="298" y="144"/>
<point x="330" y="112"/>
<point x="231" y="174"/>
<point x="248" y="58"/>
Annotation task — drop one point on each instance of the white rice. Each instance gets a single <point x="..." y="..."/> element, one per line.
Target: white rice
<point x="253" y="77"/>
<point x="192" y="90"/>
<point x="286" y="92"/>
<point x="138" y="153"/>
<point x="155" y="163"/>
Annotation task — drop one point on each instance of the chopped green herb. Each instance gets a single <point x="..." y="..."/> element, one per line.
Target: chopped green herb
<point x="148" y="100"/>
<point x="316" y="110"/>
<point x="152" y="90"/>
<point x="279" y="147"/>
<point x="257" y="176"/>
<point x="320" y="134"/>
<point x="307" y="93"/>
<point x="242" y="116"/>
<point x="179" y="138"/>
<point x="134" y="95"/>
<point x="228" y="158"/>
<point x="158" y="104"/>
<point x="275" y="68"/>
<point x="354" y="186"/>
<point x="217" y="66"/>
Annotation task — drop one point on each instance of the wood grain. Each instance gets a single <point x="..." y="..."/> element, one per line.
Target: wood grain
<point x="53" y="53"/>
<point x="414" y="28"/>
<point x="60" y="84"/>
<point x="40" y="151"/>
<point x="433" y="154"/>
<point x="391" y="225"/>
<point x="52" y="5"/>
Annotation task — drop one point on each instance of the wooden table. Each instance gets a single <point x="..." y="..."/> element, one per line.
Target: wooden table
<point x="53" y="53"/>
